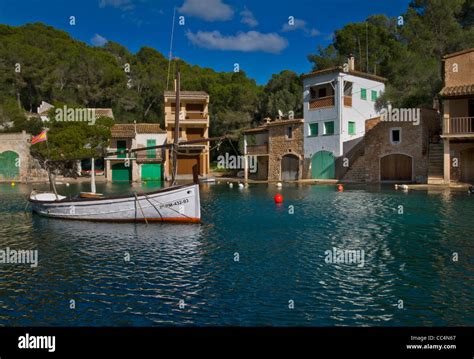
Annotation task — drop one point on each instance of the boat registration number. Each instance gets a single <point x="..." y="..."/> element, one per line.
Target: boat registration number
<point x="174" y="204"/>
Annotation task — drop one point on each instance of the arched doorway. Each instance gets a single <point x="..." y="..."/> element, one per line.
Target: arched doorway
<point x="9" y="165"/>
<point x="467" y="165"/>
<point x="396" y="167"/>
<point x="290" y="165"/>
<point x="323" y="165"/>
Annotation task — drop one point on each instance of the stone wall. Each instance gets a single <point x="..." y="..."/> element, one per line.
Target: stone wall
<point x="279" y="145"/>
<point x="414" y="143"/>
<point x="459" y="69"/>
<point x="456" y="158"/>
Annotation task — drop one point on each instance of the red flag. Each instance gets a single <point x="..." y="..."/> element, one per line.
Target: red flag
<point x="40" y="138"/>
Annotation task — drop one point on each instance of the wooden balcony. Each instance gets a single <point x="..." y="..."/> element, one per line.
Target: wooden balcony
<point x="192" y="115"/>
<point x="459" y="126"/>
<point x="257" y="149"/>
<point x="348" y="101"/>
<point x="321" y="102"/>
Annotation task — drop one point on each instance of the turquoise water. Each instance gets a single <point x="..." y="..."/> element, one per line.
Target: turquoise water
<point x="281" y="261"/>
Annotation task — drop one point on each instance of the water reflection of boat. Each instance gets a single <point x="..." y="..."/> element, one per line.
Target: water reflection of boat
<point x="173" y="204"/>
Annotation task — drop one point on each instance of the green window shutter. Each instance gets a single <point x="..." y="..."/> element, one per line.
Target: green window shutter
<point x="151" y="153"/>
<point x="352" y="128"/>
<point x="329" y="128"/>
<point x="374" y="95"/>
<point x="313" y="129"/>
<point x="363" y="94"/>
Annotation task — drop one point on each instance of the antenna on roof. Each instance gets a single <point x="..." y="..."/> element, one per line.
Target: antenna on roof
<point x="171" y="49"/>
<point x="367" y="43"/>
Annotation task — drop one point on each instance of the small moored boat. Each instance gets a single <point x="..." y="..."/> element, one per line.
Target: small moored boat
<point x="172" y="204"/>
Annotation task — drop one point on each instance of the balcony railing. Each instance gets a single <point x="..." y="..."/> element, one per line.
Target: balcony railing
<point x="459" y="126"/>
<point x="321" y="102"/>
<point x="348" y="101"/>
<point x="257" y="149"/>
<point x="192" y="115"/>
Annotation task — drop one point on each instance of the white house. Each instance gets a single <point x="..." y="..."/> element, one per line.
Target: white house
<point x="147" y="165"/>
<point x="337" y="102"/>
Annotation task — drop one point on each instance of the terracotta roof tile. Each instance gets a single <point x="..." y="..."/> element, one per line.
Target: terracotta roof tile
<point x="462" y="90"/>
<point x="127" y="130"/>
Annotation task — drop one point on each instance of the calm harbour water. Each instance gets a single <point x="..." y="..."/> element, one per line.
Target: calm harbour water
<point x="281" y="258"/>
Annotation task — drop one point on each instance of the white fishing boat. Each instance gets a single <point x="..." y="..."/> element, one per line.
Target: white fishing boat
<point x="172" y="204"/>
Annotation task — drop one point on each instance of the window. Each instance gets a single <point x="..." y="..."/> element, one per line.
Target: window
<point x="347" y="88"/>
<point x="313" y="129"/>
<point x="151" y="153"/>
<point x="329" y="128"/>
<point x="322" y="92"/>
<point x="289" y="132"/>
<point x="395" y="136"/>
<point x="363" y="94"/>
<point x="373" y="95"/>
<point x="352" y="128"/>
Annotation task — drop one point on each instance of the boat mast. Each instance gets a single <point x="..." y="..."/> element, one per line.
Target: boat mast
<point x="176" y="126"/>
<point x="93" y="189"/>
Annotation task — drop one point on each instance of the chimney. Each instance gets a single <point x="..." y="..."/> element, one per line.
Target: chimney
<point x="351" y="62"/>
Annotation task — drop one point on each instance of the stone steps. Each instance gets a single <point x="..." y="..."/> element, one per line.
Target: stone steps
<point x="436" y="164"/>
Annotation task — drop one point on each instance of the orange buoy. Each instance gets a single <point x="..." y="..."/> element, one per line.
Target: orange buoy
<point x="340" y="187"/>
<point x="278" y="198"/>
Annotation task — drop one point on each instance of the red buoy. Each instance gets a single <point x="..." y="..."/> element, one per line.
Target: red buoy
<point x="278" y="198"/>
<point x="340" y="187"/>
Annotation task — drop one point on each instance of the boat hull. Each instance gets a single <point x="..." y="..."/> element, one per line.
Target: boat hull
<point x="175" y="204"/>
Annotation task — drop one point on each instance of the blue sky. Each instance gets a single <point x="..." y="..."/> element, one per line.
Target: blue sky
<point x="217" y="33"/>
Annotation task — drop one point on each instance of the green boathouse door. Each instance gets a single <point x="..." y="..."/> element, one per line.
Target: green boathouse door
<point x="323" y="166"/>
<point x="151" y="172"/>
<point x="120" y="172"/>
<point x="9" y="165"/>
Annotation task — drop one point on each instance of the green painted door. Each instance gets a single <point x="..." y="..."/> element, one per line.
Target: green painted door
<point x="151" y="172"/>
<point x="9" y="165"/>
<point x="322" y="165"/>
<point x="120" y="172"/>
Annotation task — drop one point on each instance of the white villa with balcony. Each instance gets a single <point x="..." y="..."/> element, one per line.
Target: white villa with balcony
<point x="336" y="105"/>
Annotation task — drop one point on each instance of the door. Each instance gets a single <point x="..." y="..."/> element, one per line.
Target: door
<point x="9" y="165"/>
<point x="467" y="166"/>
<point x="186" y="164"/>
<point x="120" y="172"/>
<point x="323" y="165"/>
<point x="396" y="167"/>
<point x="289" y="168"/>
<point x="151" y="172"/>
<point x="122" y="146"/>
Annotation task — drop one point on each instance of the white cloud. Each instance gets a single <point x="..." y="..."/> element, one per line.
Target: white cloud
<point x="248" y="18"/>
<point x="99" y="40"/>
<point x="208" y="10"/>
<point x="299" y="24"/>
<point x="119" y="4"/>
<point x="250" y="41"/>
